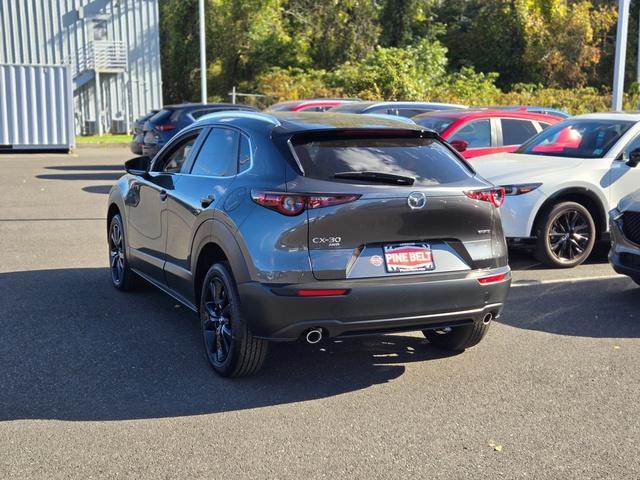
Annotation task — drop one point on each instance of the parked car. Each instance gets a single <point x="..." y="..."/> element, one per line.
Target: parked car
<point x="138" y="134"/>
<point x="624" y="224"/>
<point x="482" y="132"/>
<point x="400" y="109"/>
<point x="161" y="127"/>
<point x="309" y="105"/>
<point x="561" y="184"/>
<point x="535" y="109"/>
<point x="311" y="225"/>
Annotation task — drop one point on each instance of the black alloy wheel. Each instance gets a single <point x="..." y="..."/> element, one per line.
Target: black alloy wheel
<point x="566" y="236"/>
<point x="121" y="275"/>
<point x="230" y="347"/>
<point x="216" y="327"/>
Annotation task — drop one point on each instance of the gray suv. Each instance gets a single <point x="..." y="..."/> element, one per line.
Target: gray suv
<point x="311" y="226"/>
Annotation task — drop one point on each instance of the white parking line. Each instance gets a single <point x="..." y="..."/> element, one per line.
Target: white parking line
<point x="530" y="283"/>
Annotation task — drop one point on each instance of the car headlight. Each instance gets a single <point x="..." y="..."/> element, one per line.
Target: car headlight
<point x="520" y="189"/>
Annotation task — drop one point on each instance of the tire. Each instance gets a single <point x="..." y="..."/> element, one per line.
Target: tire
<point x="457" y="338"/>
<point x="122" y="277"/>
<point x="230" y="347"/>
<point x="565" y="236"/>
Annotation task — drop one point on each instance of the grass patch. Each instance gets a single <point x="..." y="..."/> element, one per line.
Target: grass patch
<point x="107" y="138"/>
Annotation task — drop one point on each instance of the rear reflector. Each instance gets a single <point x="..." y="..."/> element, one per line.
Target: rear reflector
<point x="322" y="293"/>
<point x="492" y="279"/>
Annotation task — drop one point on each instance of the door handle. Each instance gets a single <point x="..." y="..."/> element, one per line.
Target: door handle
<point x="206" y="201"/>
<point x="163" y="195"/>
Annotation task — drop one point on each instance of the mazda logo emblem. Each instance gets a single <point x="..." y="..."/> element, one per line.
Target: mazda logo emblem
<point x="416" y="200"/>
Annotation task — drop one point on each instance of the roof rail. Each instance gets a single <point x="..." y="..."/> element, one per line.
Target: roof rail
<point x="241" y="114"/>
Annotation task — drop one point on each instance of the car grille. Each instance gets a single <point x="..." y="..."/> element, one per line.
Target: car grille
<point x="631" y="226"/>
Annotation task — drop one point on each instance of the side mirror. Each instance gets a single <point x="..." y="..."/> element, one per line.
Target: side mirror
<point x="138" y="166"/>
<point x="634" y="158"/>
<point x="460" y="145"/>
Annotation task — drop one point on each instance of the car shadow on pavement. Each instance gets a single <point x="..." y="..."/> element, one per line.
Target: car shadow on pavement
<point x="74" y="348"/>
<point x="605" y="308"/>
<point x="101" y="189"/>
<point x="81" y="176"/>
<point x="88" y="168"/>
<point x="523" y="259"/>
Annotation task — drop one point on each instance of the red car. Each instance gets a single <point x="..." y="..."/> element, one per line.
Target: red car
<point x="310" y="105"/>
<point x="482" y="132"/>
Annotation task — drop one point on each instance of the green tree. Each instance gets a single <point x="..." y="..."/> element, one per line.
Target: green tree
<point x="178" y="49"/>
<point x="334" y="31"/>
<point x="404" y="22"/>
<point x="392" y="73"/>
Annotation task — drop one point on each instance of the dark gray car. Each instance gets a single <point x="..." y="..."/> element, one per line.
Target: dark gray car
<point x="311" y="226"/>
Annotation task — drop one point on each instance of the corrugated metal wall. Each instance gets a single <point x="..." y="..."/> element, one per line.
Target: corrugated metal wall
<point x="36" y="107"/>
<point x="58" y="31"/>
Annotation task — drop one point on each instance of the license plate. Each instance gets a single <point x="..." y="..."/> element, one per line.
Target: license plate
<point x="408" y="257"/>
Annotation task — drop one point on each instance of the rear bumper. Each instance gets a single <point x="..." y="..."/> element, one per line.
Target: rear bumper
<point x="374" y="305"/>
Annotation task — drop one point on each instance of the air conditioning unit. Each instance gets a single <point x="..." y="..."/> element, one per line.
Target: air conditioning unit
<point x="89" y="127"/>
<point x="118" y="126"/>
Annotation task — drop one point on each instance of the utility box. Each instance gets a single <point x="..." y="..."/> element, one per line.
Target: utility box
<point x="36" y="107"/>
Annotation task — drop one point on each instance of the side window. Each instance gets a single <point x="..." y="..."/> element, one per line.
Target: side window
<point x="218" y="155"/>
<point x="477" y="134"/>
<point x="383" y="109"/>
<point x="411" y="112"/>
<point x="516" y="132"/>
<point x="172" y="162"/>
<point x="544" y="125"/>
<point x="244" y="154"/>
<point x="630" y="147"/>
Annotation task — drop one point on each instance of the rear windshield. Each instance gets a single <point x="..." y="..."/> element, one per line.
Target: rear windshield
<point x="161" y="116"/>
<point x="425" y="159"/>
<point x="437" y="124"/>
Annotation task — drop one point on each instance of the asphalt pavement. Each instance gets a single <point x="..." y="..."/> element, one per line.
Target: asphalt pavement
<point x="99" y="384"/>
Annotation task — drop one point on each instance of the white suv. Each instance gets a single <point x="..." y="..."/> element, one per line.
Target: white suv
<point x="561" y="184"/>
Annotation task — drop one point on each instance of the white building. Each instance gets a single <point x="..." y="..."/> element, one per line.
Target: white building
<point x="111" y="46"/>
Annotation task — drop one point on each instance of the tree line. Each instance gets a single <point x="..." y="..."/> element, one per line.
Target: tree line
<point x="559" y="52"/>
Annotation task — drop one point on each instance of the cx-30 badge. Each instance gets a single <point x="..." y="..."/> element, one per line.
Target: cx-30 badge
<point x="416" y="200"/>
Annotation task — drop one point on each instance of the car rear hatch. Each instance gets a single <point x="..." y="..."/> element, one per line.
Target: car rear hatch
<point x="394" y="204"/>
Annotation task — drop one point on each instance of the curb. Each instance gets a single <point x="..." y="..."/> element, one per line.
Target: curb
<point x="100" y="145"/>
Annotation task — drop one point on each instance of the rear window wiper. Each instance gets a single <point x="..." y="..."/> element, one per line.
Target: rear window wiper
<point x="377" y="177"/>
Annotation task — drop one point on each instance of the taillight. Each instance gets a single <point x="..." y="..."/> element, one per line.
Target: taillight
<point x="166" y="127"/>
<point x="289" y="205"/>
<point x="492" y="195"/>
<point x="320" y="201"/>
<point x="295" y="204"/>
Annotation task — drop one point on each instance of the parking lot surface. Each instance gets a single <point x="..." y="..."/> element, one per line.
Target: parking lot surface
<point x="99" y="384"/>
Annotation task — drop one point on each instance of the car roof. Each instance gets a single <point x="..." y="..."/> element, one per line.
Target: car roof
<point x="311" y="101"/>
<point x="630" y="116"/>
<point x="364" y="106"/>
<point x="196" y="106"/>
<point x="486" y="113"/>
<point x="296" y="122"/>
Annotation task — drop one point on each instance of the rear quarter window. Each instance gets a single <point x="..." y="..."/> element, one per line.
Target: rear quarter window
<point x="425" y="159"/>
